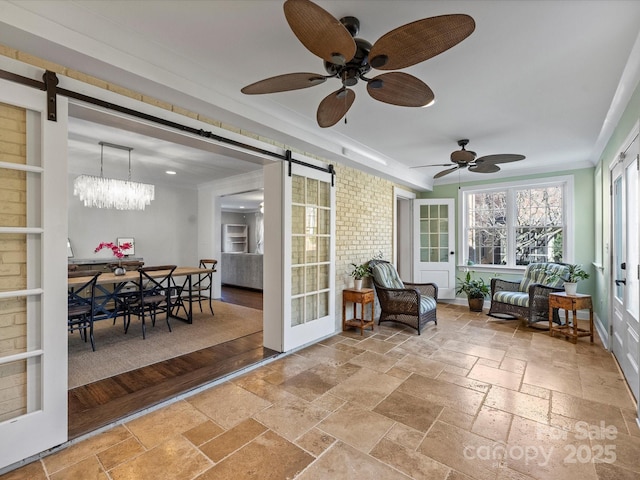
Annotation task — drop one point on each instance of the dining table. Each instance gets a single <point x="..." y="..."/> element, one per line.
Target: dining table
<point x="112" y="291"/>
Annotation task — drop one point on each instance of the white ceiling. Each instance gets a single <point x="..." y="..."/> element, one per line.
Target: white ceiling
<point x="542" y="79"/>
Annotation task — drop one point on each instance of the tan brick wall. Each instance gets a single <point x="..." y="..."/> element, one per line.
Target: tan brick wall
<point x="364" y="224"/>
<point x="13" y="260"/>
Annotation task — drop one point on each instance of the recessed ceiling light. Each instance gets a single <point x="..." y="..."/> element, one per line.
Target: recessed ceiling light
<point x="170" y="172"/>
<point x="241" y="206"/>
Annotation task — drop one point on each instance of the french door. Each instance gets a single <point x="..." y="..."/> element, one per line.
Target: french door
<point x="33" y="233"/>
<point x="625" y="266"/>
<point x="299" y="294"/>
<point x="434" y="241"/>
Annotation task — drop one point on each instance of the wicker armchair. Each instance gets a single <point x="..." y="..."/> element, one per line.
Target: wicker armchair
<point x="412" y="304"/>
<point x="528" y="298"/>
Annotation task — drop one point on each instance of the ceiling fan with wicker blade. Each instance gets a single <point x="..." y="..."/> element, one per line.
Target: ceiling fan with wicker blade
<point x="349" y="59"/>
<point x="464" y="158"/>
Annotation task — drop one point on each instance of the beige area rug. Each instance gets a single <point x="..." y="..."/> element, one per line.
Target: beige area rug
<point x="118" y="353"/>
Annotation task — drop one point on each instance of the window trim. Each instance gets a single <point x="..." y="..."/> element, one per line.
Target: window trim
<point x="565" y="181"/>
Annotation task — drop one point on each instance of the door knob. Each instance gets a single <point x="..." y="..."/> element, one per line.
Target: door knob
<point x="618" y="282"/>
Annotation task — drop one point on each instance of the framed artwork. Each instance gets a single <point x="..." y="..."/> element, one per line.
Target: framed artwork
<point x="69" y="249"/>
<point x="128" y="251"/>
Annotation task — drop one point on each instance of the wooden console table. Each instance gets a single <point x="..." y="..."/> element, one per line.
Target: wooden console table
<point x="364" y="296"/>
<point x="570" y="303"/>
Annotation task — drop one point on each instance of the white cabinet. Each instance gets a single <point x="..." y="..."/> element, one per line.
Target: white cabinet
<point x="234" y="238"/>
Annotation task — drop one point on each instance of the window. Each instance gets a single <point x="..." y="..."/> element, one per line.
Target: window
<point x="516" y="224"/>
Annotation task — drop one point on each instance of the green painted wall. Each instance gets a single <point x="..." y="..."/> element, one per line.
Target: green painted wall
<point x="624" y="127"/>
<point x="584" y="218"/>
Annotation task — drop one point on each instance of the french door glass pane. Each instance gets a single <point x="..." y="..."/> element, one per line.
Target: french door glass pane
<point x="324" y="194"/>
<point x="323" y="249"/>
<point x="311" y="310"/>
<point x="312" y="278"/>
<point x="323" y="277"/>
<point x="297" y="220"/>
<point x="297" y="311"/>
<point x="297" y="189"/>
<point x="323" y="304"/>
<point x="311" y="251"/>
<point x="297" y="280"/>
<point x="312" y="191"/>
<point x="22" y="392"/>
<point x="297" y="250"/>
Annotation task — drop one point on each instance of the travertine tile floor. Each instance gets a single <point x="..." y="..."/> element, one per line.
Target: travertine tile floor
<point x="473" y="397"/>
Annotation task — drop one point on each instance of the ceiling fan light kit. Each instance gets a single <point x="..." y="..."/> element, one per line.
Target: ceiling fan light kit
<point x="349" y="59"/>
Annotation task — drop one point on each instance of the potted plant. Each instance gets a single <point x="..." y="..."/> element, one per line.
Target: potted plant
<point x="574" y="274"/>
<point x="359" y="272"/>
<point x="476" y="290"/>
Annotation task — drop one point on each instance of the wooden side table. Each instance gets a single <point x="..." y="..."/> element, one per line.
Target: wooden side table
<point x="570" y="303"/>
<point x="364" y="296"/>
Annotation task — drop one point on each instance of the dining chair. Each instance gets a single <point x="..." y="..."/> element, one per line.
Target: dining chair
<point x="81" y="304"/>
<point x="125" y="291"/>
<point x="153" y="296"/>
<point x="204" y="284"/>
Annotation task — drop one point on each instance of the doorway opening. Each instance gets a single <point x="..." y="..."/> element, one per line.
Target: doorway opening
<point x="403" y="233"/>
<point x="181" y="214"/>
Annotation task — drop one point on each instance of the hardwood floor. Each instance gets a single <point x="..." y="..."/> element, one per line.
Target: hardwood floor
<point x="242" y="296"/>
<point x="100" y="403"/>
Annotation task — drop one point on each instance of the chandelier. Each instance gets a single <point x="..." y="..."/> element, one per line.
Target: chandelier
<point x="102" y="192"/>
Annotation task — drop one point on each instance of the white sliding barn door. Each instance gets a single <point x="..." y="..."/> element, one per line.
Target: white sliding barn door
<point x="299" y="294"/>
<point x="33" y="307"/>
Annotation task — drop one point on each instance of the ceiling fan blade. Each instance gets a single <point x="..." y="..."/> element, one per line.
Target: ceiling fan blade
<point x="402" y="89"/>
<point x="335" y="106"/>
<point x="284" y="83"/>
<point x="445" y="172"/>
<point x="500" y="158"/>
<point x="418" y="41"/>
<point x="433" y="165"/>
<point x="319" y="31"/>
<point x="484" y="168"/>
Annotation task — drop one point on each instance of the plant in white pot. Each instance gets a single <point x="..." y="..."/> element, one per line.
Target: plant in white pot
<point x="476" y="291"/>
<point x="359" y="272"/>
<point x="575" y="273"/>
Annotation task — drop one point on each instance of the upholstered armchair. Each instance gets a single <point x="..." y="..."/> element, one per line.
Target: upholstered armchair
<point x="412" y="304"/>
<point x="528" y="298"/>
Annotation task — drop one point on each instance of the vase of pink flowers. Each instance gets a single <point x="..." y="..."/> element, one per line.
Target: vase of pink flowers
<point x="118" y="252"/>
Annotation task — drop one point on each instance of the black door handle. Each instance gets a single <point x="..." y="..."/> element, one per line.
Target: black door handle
<point x="618" y="282"/>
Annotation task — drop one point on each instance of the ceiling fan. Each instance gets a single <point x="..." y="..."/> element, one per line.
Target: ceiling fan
<point x="467" y="159"/>
<point x="350" y="59"/>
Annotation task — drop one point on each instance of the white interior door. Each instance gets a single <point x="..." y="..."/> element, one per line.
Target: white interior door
<point x="626" y="266"/>
<point x="33" y="308"/>
<point x="299" y="305"/>
<point x="434" y="240"/>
